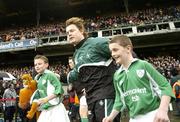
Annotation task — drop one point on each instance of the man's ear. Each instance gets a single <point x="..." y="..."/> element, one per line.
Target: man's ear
<point x="129" y="47"/>
<point x="82" y="31"/>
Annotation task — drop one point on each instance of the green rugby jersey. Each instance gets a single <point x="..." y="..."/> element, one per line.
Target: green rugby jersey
<point x="48" y="84"/>
<point x="139" y="88"/>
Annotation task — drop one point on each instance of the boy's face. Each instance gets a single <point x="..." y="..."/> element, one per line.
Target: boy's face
<point x="74" y="35"/>
<point x="119" y="53"/>
<point x="40" y="65"/>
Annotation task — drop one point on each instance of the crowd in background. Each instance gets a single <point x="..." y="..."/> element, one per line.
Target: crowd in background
<point x="136" y="17"/>
<point x="18" y="71"/>
<point x="164" y="64"/>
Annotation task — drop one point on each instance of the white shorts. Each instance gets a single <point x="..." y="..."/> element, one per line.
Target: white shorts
<point x="55" y="114"/>
<point x="148" y="117"/>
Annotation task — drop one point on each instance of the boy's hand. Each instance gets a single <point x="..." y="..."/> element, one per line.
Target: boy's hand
<point x="42" y="101"/>
<point x="161" y="116"/>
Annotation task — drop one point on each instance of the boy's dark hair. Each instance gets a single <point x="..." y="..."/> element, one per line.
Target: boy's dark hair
<point x="122" y="40"/>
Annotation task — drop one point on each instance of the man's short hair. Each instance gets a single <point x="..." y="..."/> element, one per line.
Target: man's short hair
<point x="79" y="23"/>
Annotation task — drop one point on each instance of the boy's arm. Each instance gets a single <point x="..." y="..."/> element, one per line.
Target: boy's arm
<point x="162" y="113"/>
<point x="159" y="82"/>
<point x="46" y="99"/>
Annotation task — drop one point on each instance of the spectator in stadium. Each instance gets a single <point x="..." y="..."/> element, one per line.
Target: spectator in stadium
<point x="73" y="104"/>
<point x="139" y="86"/>
<point x="2" y="87"/>
<point x="73" y="100"/>
<point x="1" y="94"/>
<point x="49" y="92"/>
<point x="176" y="76"/>
<point x="175" y="82"/>
<point x="176" y="90"/>
<point x="10" y="103"/>
<point x="93" y="70"/>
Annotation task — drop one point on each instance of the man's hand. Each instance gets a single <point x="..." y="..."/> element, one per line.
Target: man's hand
<point x="111" y="117"/>
<point x="83" y="111"/>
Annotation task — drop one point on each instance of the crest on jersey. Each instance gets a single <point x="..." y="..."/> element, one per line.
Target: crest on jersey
<point x="140" y="72"/>
<point x="101" y="103"/>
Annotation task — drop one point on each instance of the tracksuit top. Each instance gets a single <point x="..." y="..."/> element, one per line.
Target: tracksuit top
<point x="93" y="69"/>
<point x="139" y="88"/>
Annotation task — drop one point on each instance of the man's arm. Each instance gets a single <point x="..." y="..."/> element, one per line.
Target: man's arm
<point x="103" y="47"/>
<point x="111" y="117"/>
<point x="118" y="105"/>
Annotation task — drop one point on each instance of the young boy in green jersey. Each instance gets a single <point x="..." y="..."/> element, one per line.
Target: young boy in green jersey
<point x="139" y="86"/>
<point x="48" y="93"/>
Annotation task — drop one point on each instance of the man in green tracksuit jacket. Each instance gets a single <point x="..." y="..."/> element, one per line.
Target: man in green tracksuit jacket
<point x="139" y="87"/>
<point x="93" y="70"/>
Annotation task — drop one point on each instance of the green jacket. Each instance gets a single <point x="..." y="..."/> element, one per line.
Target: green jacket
<point x="93" y="69"/>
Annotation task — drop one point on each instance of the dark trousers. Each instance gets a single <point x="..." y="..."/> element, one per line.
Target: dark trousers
<point x="97" y="110"/>
<point x="74" y="113"/>
<point x="178" y="106"/>
<point x="23" y="113"/>
<point x="9" y="113"/>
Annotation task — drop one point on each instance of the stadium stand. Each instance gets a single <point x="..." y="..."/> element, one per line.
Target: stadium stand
<point x="135" y="18"/>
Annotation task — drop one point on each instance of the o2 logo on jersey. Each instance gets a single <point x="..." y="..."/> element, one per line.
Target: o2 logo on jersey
<point x="140" y="73"/>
